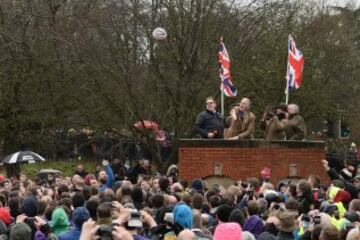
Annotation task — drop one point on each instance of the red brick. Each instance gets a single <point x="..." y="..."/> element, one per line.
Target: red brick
<point x="241" y="163"/>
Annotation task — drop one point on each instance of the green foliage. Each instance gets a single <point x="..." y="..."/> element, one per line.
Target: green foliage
<point x="67" y="167"/>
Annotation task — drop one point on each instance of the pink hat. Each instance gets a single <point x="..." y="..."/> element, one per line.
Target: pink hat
<point x="266" y="173"/>
<point x="228" y="231"/>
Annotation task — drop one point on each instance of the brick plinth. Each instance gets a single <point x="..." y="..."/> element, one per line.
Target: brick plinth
<point x="242" y="159"/>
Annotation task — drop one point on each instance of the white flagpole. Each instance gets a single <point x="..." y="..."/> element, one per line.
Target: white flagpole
<point x="222" y="99"/>
<point x="287" y="79"/>
<point x="222" y="87"/>
<point x="287" y="92"/>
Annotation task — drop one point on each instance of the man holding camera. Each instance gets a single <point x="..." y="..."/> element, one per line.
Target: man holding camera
<point x="241" y="122"/>
<point x="118" y="222"/>
<point x="274" y="124"/>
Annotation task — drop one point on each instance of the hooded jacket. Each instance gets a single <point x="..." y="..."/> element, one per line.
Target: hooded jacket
<point x="79" y="216"/>
<point x="59" y="221"/>
<point x="29" y="206"/>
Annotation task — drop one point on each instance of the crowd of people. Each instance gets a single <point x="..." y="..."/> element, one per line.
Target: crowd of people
<point x="281" y="123"/>
<point x="112" y="203"/>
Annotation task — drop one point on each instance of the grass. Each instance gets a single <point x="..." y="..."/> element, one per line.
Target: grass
<point x="67" y="167"/>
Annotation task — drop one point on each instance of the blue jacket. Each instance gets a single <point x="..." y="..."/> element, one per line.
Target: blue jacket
<point x="110" y="179"/>
<point x="73" y="234"/>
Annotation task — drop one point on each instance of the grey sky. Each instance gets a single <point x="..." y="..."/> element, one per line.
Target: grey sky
<point x="344" y="2"/>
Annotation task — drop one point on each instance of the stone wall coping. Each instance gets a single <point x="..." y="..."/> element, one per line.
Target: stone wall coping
<point x="255" y="143"/>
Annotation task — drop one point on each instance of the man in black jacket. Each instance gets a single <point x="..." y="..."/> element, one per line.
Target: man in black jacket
<point x="209" y="123"/>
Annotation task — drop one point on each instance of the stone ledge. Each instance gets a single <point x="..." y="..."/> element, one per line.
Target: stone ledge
<point x="256" y="143"/>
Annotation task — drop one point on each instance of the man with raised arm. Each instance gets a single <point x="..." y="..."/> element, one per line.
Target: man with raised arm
<point x="241" y="121"/>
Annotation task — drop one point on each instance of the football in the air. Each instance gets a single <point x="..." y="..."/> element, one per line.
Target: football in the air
<point x="159" y="34"/>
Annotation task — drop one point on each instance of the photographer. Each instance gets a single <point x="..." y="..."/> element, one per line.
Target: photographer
<point x="274" y="124"/>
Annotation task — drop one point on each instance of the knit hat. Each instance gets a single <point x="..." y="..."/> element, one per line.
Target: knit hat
<point x="197" y="184"/>
<point x="228" y="231"/>
<point x="79" y="216"/>
<point x="20" y="231"/>
<point x="29" y="206"/>
<point x="183" y="215"/>
<point x="266" y="173"/>
<point x="5" y="215"/>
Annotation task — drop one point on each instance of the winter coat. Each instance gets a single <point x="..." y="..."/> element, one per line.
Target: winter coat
<point x="59" y="221"/>
<point x="243" y="127"/>
<point x="207" y="122"/>
<point x="274" y="129"/>
<point x="295" y="128"/>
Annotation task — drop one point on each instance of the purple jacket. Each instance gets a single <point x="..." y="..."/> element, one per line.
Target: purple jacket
<point x="255" y="225"/>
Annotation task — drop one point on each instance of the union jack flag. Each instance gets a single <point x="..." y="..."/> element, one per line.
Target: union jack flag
<point x="224" y="72"/>
<point x="295" y="66"/>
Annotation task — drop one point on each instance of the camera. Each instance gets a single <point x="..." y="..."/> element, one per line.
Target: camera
<point x="135" y="219"/>
<point x="250" y="193"/>
<point x="305" y="218"/>
<point x="270" y="114"/>
<point x="104" y="232"/>
<point x="306" y="221"/>
<point x="317" y="220"/>
<point x="276" y="206"/>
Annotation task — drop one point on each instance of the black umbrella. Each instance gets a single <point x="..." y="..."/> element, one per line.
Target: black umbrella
<point x="23" y="157"/>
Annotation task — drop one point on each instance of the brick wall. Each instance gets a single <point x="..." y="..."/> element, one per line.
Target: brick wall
<point x="242" y="159"/>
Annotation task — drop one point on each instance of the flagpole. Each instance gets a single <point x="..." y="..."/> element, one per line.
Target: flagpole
<point x="287" y="92"/>
<point x="287" y="79"/>
<point x="222" y="100"/>
<point x="222" y="87"/>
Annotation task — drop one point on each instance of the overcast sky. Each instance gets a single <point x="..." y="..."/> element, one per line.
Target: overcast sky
<point x="343" y="2"/>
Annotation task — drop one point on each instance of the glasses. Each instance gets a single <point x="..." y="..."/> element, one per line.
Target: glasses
<point x="209" y="103"/>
